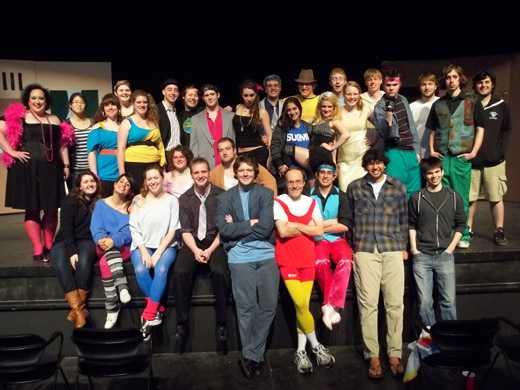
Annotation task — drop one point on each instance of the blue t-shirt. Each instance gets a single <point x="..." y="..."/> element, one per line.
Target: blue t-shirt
<point x="298" y="136"/>
<point x="251" y="251"/>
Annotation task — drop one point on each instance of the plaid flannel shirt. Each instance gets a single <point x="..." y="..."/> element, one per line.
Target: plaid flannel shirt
<point x="382" y="222"/>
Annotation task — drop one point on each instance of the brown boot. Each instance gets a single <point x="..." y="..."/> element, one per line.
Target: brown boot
<point x="83" y="295"/>
<point x="78" y="308"/>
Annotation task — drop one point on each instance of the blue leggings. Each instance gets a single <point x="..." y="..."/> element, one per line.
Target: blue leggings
<point x="153" y="288"/>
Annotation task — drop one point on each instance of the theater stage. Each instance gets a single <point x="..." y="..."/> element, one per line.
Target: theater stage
<point x="488" y="284"/>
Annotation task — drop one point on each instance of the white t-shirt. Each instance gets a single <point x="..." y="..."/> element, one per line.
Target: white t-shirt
<point x="298" y="207"/>
<point x="376" y="187"/>
<point x="420" y="111"/>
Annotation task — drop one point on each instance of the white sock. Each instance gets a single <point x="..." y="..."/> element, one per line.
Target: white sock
<point x="302" y="341"/>
<point x="312" y="339"/>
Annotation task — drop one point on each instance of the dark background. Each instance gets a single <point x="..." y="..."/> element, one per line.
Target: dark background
<point x="226" y="42"/>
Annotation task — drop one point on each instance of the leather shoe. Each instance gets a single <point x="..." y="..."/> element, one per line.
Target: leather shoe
<point x="221" y="333"/>
<point x="245" y="367"/>
<point x="257" y="368"/>
<point x="181" y="331"/>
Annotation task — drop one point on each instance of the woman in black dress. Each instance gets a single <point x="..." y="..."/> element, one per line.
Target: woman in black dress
<point x="35" y="151"/>
<point x="252" y="124"/>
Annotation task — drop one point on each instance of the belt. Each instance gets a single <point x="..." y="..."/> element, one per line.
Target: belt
<point x="108" y="151"/>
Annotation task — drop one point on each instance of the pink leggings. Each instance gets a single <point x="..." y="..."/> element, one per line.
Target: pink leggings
<point x="334" y="287"/>
<point x="103" y="265"/>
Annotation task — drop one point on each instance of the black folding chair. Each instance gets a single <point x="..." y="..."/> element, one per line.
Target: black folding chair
<point x="112" y="353"/>
<point x="464" y="345"/>
<point x="509" y="344"/>
<point x="29" y="358"/>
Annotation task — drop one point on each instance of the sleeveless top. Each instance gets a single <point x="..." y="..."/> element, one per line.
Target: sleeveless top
<point x="246" y="133"/>
<point x="297" y="252"/>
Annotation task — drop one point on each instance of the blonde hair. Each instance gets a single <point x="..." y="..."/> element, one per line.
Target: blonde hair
<point x="336" y="114"/>
<point x="359" y="104"/>
<point x="122" y="82"/>
<point x="372" y="72"/>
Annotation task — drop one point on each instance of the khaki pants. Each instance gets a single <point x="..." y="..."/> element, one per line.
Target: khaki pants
<point x="372" y="272"/>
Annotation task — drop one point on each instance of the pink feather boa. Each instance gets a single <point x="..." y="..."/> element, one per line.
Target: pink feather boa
<point x="13" y="120"/>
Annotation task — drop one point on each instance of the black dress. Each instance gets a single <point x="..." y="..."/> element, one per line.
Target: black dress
<point x="37" y="184"/>
<point x="317" y="154"/>
<point x="249" y="135"/>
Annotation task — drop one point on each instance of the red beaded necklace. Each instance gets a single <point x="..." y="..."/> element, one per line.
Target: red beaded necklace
<point x="45" y="147"/>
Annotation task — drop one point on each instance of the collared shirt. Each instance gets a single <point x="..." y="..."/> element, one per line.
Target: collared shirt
<point x="216" y="131"/>
<point x="381" y="222"/>
<point x="189" y="205"/>
<point x="175" y="130"/>
<point x="337" y="208"/>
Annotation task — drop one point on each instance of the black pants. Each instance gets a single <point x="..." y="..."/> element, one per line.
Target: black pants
<point x="184" y="272"/>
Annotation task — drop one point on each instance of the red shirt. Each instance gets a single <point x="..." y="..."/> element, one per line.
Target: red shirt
<point x="215" y="129"/>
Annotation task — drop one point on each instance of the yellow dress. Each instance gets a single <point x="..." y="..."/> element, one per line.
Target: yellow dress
<point x="351" y="152"/>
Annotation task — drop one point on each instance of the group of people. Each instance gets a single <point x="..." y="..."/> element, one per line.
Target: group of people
<point x="199" y="187"/>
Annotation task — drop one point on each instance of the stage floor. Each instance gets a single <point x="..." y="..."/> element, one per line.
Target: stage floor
<point x="17" y="249"/>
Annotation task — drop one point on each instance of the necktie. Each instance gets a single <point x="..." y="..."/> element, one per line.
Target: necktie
<point x="202" y="219"/>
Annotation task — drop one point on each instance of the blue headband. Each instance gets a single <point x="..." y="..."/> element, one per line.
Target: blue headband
<point x="326" y="167"/>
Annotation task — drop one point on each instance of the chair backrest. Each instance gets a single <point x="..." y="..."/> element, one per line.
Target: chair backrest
<point x="108" y="344"/>
<point x="464" y="336"/>
<point x="20" y="350"/>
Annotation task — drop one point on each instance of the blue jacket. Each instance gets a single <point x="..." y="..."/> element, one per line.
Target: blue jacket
<point x="388" y="132"/>
<point x="260" y="207"/>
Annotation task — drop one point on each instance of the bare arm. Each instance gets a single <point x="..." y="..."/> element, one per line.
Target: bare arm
<point x="266" y="124"/>
<point x="165" y="242"/>
<point x="333" y="226"/>
<point x="64" y="154"/>
<point x="4" y="144"/>
<point x="285" y="230"/>
<point x="433" y="153"/>
<point x="344" y="134"/>
<point x="479" y="136"/>
<point x="412" y="233"/>
<point x="92" y="162"/>
<point x="122" y="139"/>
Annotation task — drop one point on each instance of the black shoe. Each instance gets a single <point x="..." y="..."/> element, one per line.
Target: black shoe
<point x="245" y="367"/>
<point x="181" y="331"/>
<point x="46" y="255"/>
<point x="499" y="238"/>
<point x="38" y="257"/>
<point x="257" y="368"/>
<point x="221" y="333"/>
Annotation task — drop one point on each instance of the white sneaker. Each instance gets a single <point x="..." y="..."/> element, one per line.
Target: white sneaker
<point x="111" y="319"/>
<point x="463" y="244"/>
<point x="303" y="364"/>
<point x="326" y="318"/>
<point x="124" y="296"/>
<point x="323" y="356"/>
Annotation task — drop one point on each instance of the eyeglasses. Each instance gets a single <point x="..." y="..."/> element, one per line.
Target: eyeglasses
<point x="274" y="85"/>
<point x="337" y="79"/>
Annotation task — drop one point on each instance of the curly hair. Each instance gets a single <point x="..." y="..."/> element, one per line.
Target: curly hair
<point x="26" y="94"/>
<point x="152" y="114"/>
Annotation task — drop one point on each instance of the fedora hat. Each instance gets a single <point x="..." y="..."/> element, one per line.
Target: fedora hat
<point x="306" y="76"/>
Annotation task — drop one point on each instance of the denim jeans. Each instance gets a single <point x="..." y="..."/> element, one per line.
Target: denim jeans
<point x="69" y="278"/>
<point x="438" y="269"/>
